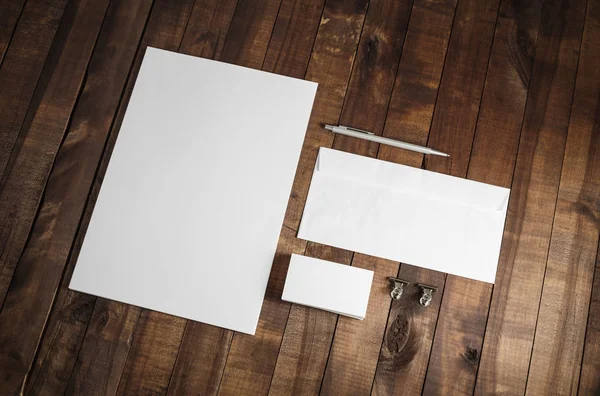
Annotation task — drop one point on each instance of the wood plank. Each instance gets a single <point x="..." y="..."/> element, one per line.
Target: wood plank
<point x="408" y="336"/>
<point x="513" y="313"/>
<point x="463" y="313"/>
<point x="308" y="335"/>
<point x="21" y="320"/>
<point x="409" y="332"/>
<point x="252" y="22"/>
<point x="452" y="131"/>
<point x="201" y="360"/>
<point x="589" y="382"/>
<point x="147" y="370"/>
<point x="355" y="350"/>
<point x="370" y="85"/>
<point x="251" y="359"/>
<point x="207" y="28"/>
<point x="204" y="348"/>
<point x="330" y="65"/>
<point x="93" y="117"/>
<point x="560" y="333"/>
<point x="418" y="79"/>
<point x="102" y="356"/>
<point x="10" y="11"/>
<point x="356" y="344"/>
<point x="19" y="74"/>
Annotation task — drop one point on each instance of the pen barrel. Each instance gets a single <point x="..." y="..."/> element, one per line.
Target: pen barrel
<point x="383" y="140"/>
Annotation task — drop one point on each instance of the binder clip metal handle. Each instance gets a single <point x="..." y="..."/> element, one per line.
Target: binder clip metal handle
<point x="427" y="296"/>
<point x="398" y="289"/>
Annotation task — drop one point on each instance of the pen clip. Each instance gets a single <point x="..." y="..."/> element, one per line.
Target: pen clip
<point x="355" y="129"/>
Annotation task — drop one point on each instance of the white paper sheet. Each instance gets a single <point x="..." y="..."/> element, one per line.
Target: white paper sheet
<point x="191" y="207"/>
<point x="333" y="287"/>
<point x="405" y="214"/>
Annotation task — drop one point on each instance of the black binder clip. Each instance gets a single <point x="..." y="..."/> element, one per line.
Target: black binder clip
<point x="398" y="288"/>
<point x="427" y="295"/>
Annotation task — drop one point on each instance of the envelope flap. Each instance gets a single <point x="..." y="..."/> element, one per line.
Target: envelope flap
<point x="411" y="180"/>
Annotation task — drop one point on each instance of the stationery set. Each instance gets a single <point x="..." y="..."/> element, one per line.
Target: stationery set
<point x="193" y="200"/>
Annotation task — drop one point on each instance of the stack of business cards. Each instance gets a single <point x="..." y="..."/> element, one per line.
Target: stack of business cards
<point x="333" y="287"/>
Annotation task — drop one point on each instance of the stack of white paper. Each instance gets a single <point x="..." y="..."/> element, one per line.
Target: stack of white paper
<point x="333" y="287"/>
<point x="192" y="203"/>
<point x="405" y="214"/>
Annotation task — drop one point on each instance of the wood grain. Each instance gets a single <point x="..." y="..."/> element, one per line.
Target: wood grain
<point x="371" y="82"/>
<point x="21" y="325"/>
<point x="407" y="341"/>
<point x="463" y="314"/>
<point x="19" y="74"/>
<point x="509" y="334"/>
<point x="528" y="117"/>
<point x="355" y="350"/>
<point x="204" y="348"/>
<point x="102" y="356"/>
<point x="409" y="332"/>
<point x="249" y="53"/>
<point x="10" y="11"/>
<point x="356" y="344"/>
<point x="94" y="117"/>
<point x="452" y="132"/>
<point x="330" y="65"/>
<point x="418" y="79"/>
<point x="201" y="360"/>
<point x="559" y="336"/>
<point x="252" y="359"/>
<point x="253" y="21"/>
<point x="307" y="339"/>
<point x="148" y="369"/>
<point x="589" y="382"/>
<point x="207" y="28"/>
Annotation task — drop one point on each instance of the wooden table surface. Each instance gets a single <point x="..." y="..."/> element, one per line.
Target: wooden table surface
<point x="510" y="89"/>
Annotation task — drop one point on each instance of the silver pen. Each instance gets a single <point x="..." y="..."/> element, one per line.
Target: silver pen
<point x="360" y="134"/>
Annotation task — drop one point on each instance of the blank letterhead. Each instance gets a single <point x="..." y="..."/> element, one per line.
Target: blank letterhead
<point x="190" y="210"/>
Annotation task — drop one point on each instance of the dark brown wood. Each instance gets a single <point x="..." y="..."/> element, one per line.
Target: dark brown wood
<point x="508" y="341"/>
<point x="370" y="84"/>
<point x="207" y="28"/>
<point x="19" y="74"/>
<point x="10" y="11"/>
<point x="331" y="63"/>
<point x="559" y="336"/>
<point x="300" y="364"/>
<point x="418" y="79"/>
<point x="407" y="340"/>
<point x="94" y="117"/>
<point x="409" y="333"/>
<point x="589" y="382"/>
<point x="461" y="324"/>
<point x="66" y="75"/>
<point x="253" y="21"/>
<point x="22" y="325"/>
<point x="307" y="339"/>
<point x="204" y="348"/>
<point x="152" y="355"/>
<point x="248" y="53"/>
<point x="251" y="360"/>
<point x="355" y="350"/>
<point x="201" y="360"/>
<point x="102" y="356"/>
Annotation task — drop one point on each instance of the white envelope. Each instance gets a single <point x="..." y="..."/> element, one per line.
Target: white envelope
<point x="405" y="214"/>
<point x="191" y="207"/>
<point x="333" y="287"/>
